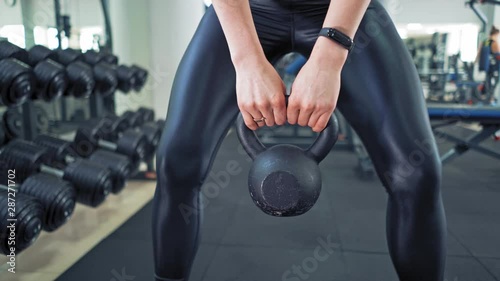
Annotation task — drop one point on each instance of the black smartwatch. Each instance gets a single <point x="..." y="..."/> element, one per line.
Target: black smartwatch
<point x="339" y="37"/>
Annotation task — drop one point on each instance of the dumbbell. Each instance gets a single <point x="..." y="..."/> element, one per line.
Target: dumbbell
<point x="19" y="234"/>
<point x="51" y="80"/>
<point x="113" y="126"/>
<point x="12" y="121"/>
<point x="144" y="120"/>
<point x="80" y="75"/>
<point x="129" y="78"/>
<point x="90" y="136"/>
<point x="141" y="76"/>
<point x="3" y="135"/>
<point x="61" y="152"/>
<point x="92" y="182"/>
<point x="148" y="114"/>
<point x="17" y="82"/>
<point x="105" y="74"/>
<point x="56" y="196"/>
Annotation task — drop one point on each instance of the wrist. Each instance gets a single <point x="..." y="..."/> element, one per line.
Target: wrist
<point x="330" y="53"/>
<point x="247" y="59"/>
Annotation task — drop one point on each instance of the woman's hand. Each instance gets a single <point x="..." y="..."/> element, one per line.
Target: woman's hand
<point x="316" y="88"/>
<point x="260" y="93"/>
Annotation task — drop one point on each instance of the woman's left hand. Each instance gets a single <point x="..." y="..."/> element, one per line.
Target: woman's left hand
<point x="316" y="88"/>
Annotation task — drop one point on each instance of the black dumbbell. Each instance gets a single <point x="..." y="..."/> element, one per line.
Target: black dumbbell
<point x="105" y="74"/>
<point x="141" y="77"/>
<point x="12" y="121"/>
<point x="148" y="114"/>
<point x="135" y="118"/>
<point x="19" y="228"/>
<point x="17" y="82"/>
<point x="57" y="197"/>
<point x="51" y="80"/>
<point x="61" y="152"/>
<point x="80" y="75"/>
<point x="90" y="136"/>
<point x="128" y="77"/>
<point x="92" y="182"/>
<point x="113" y="126"/>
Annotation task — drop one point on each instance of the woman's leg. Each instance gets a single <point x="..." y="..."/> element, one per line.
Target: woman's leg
<point x="202" y="108"/>
<point x="382" y="99"/>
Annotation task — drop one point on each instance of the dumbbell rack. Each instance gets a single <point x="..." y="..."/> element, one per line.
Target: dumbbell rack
<point x="97" y="104"/>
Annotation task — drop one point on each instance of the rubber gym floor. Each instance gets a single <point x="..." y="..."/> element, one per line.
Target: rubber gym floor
<point x="240" y="243"/>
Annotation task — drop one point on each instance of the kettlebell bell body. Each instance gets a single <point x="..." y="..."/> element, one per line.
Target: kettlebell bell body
<point x="285" y="180"/>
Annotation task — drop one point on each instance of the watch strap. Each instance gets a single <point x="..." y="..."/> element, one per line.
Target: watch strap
<point x="337" y="36"/>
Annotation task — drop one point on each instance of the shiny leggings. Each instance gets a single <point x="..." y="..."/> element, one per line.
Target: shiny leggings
<point x="381" y="97"/>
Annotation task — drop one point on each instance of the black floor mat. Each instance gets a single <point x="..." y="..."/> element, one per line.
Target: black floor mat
<point x="240" y="243"/>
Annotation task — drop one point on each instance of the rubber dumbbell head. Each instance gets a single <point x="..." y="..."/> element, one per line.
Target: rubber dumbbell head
<point x="52" y="81"/>
<point x="148" y="114"/>
<point x="9" y="50"/>
<point x="119" y="165"/>
<point x="17" y="82"/>
<point x="81" y="78"/>
<point x="106" y="80"/>
<point x="93" y="182"/>
<point x="57" y="197"/>
<point x="141" y="76"/>
<point x="29" y="222"/>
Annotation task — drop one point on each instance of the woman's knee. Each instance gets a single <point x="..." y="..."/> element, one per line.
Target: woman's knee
<point x="418" y="173"/>
<point x="179" y="161"/>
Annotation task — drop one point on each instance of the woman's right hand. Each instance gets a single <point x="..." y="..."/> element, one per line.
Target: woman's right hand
<point x="260" y="93"/>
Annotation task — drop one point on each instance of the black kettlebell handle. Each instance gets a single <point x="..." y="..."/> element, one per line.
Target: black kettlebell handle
<point x="317" y="151"/>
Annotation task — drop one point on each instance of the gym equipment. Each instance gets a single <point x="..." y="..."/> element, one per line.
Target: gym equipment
<point x="61" y="153"/>
<point x="128" y="77"/>
<point x="51" y="80"/>
<point x="113" y="126"/>
<point x="56" y="196"/>
<point x="142" y="120"/>
<point x="80" y="75"/>
<point x="17" y="82"/>
<point x="12" y="120"/>
<point x="148" y="115"/>
<point x="28" y="225"/>
<point x="91" y="136"/>
<point x="141" y="76"/>
<point x="92" y="182"/>
<point x="285" y="180"/>
<point x="487" y="117"/>
<point x="104" y="73"/>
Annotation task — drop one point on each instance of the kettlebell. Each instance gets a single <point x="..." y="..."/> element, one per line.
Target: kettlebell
<point x="284" y="179"/>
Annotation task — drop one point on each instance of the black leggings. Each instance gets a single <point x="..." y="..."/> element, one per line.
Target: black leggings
<point x="381" y="97"/>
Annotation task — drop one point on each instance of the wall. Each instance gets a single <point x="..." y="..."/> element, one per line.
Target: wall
<point x="132" y="44"/>
<point x="10" y="15"/>
<point x="172" y="25"/>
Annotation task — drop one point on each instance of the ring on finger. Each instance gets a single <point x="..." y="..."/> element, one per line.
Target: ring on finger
<point x="259" y="120"/>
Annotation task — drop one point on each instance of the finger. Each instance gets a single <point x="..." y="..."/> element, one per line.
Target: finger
<point x="249" y="121"/>
<point x="322" y="122"/>
<point x="292" y="111"/>
<point x="279" y="110"/>
<point x="269" y="115"/>
<point x="256" y="115"/>
<point x="314" y="119"/>
<point x="305" y="115"/>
